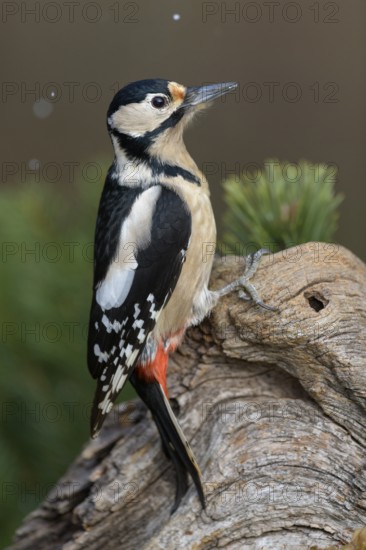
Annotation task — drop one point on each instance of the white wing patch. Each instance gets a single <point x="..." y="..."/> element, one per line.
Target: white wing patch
<point x="153" y="312"/>
<point x="135" y="235"/>
<point x="118" y="379"/>
<point x="106" y="405"/>
<point x="115" y="326"/>
<point x="114" y="289"/>
<point x="124" y="356"/>
<point x="103" y="356"/>
<point x="136" y="229"/>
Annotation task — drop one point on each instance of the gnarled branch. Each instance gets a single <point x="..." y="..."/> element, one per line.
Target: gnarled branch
<point x="274" y="406"/>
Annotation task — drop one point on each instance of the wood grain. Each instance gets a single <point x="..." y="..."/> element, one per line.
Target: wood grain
<point x="274" y="406"/>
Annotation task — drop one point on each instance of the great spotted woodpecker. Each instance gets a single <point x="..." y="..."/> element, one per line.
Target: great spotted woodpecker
<point x="150" y="280"/>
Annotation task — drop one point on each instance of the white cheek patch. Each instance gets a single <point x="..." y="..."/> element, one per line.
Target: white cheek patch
<point x="135" y="119"/>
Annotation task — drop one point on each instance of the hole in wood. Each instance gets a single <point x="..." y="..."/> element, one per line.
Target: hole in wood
<point x="316" y="301"/>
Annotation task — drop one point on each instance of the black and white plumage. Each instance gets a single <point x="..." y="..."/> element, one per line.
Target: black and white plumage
<point x="151" y="272"/>
<point x="136" y="270"/>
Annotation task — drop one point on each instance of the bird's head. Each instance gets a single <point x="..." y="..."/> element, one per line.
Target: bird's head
<point x="147" y="116"/>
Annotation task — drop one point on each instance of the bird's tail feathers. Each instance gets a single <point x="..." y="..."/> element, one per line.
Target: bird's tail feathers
<point x="174" y="442"/>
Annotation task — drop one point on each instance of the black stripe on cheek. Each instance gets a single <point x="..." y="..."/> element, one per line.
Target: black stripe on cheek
<point x="168" y="123"/>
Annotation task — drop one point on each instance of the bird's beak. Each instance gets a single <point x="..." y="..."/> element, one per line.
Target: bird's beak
<point x="202" y="94"/>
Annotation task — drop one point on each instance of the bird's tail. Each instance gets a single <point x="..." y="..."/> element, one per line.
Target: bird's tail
<point x="175" y="445"/>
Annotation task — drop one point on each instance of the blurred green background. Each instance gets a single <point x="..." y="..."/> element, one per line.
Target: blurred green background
<point x="300" y="69"/>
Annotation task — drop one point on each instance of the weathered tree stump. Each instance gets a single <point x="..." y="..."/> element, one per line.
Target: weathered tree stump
<point x="274" y="406"/>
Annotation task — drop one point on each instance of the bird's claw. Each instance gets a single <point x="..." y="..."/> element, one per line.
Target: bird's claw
<point x="247" y="290"/>
<point x="244" y="296"/>
<point x="251" y="264"/>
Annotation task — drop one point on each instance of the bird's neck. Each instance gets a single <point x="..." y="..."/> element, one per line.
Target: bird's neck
<point x="168" y="161"/>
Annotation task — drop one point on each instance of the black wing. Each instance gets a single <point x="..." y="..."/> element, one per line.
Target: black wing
<point x="117" y="336"/>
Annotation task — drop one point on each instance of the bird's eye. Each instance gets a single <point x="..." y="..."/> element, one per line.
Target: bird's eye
<point x="159" y="101"/>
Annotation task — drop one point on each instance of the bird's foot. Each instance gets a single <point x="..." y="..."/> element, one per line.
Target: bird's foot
<point x="249" y="292"/>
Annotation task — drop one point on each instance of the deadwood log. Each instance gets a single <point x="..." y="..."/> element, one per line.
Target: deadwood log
<point x="274" y="406"/>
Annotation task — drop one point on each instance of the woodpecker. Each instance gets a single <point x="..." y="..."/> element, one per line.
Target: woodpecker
<point x="150" y="281"/>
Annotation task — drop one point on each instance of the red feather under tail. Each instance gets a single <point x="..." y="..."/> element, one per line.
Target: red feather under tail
<point x="155" y="370"/>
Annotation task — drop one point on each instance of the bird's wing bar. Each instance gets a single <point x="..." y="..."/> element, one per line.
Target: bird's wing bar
<point x="127" y="302"/>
